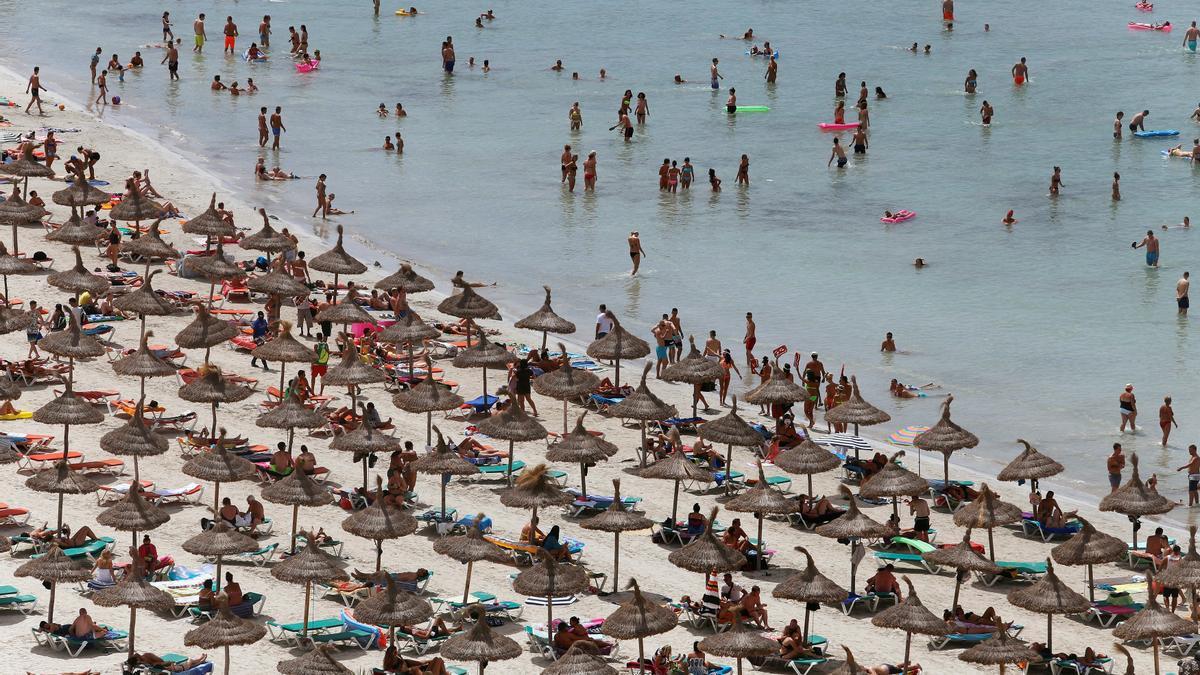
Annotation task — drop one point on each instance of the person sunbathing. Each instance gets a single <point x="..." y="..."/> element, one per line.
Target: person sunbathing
<point x="1178" y="151"/>
<point x="81" y="536"/>
<point x="960" y="493"/>
<point x="155" y="661"/>
<point x="869" y="466"/>
<point x="900" y="391"/>
<point x="787" y="435"/>
<point x="282" y="462"/>
<point x="436" y="629"/>
<point x="564" y="638"/>
<point x="888" y="669"/>
<point x="818" y="509"/>
<point x="531" y="534"/>
<point x="102" y="571"/>
<point x="279" y="174"/>
<point x="469" y="447"/>
<point x="1049" y="514"/>
<point x="884" y="581"/>
<point x="959" y="623"/>
<point x="84" y="628"/>
<point x="735" y="537"/>
<point x="394" y="663"/>
<point x="795" y="648"/>
<point x="659" y="445"/>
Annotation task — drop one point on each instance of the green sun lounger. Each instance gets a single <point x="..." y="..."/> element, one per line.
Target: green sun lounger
<point x="289" y="633"/>
<point x="1014" y="571"/>
<point x="360" y="638"/>
<point x="911" y="558"/>
<point x="92" y="549"/>
<point x="24" y="604"/>
<point x="500" y="470"/>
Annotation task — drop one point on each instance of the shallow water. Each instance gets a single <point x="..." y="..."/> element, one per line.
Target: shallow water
<point x="1034" y="328"/>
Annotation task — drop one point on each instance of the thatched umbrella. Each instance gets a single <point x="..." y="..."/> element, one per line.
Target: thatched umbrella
<point x="352" y="372"/>
<point x="987" y="511"/>
<point x="136" y="593"/>
<point x="149" y="246"/>
<point x="54" y="568"/>
<point x="1090" y="547"/>
<point x="893" y="481"/>
<point x="566" y="383"/>
<point x="468" y="305"/>
<point x="855" y="411"/>
<point x="1184" y="573"/>
<point x="74" y="232"/>
<point x="1000" y="649"/>
<point x="15" y="211"/>
<point x="58" y="479"/>
<point x="806" y="459"/>
<point x="706" y="554"/>
<point x="143" y="363"/>
<point x="145" y="301"/>
<point x="485" y="354"/>
<point x="617" y="518"/>
<point x="946" y="437"/>
<point x="854" y="525"/>
<point x="211" y="387"/>
<point x="214" y="268"/>
<point x="336" y="261"/>
<point x="319" y="661"/>
<point x="410" y="331"/>
<point x="9" y="391"/>
<point x="581" y="658"/>
<point x="480" y="644"/>
<point x="546" y="321"/>
<point x="428" y="396"/>
<point x="224" y="630"/>
<point x="290" y="414"/>
<point x="512" y="425"/>
<point x="910" y="616"/>
<point x="443" y="462"/>
<point x="547" y="578"/>
<point x="776" y="391"/>
<point x="642" y="405"/>
<point x="406" y="280"/>
<point x="345" y="312"/>
<point x="365" y="440"/>
<point x="210" y="223"/>
<point x="276" y="282"/>
<point x="676" y="467"/>
<point x="739" y="643"/>
<point x="12" y="320"/>
<point x="809" y="586"/>
<point x="296" y="489"/>
<point x="693" y="369"/>
<point x="73" y="344"/>
<point x="618" y="344"/>
<point x="285" y="349"/>
<point x="10" y="264"/>
<point x="468" y="548"/>
<point x="581" y="447"/>
<point x="379" y="521"/>
<point x="134" y="206"/>
<point x="66" y="409"/>
<point x="1049" y="596"/>
<point x="1030" y="465"/>
<point x="638" y="619"/>
<point x="1153" y="623"/>
<point x="219" y="466"/>
<point x="534" y="490"/>
<point x="219" y="541"/>
<point x="26" y="166"/>
<point x="731" y="430"/>
<point x="1135" y="499"/>
<point x="79" y="193"/>
<point x="266" y="239"/>
<point x="205" y="332"/>
<point x="309" y="565"/>
<point x="760" y="500"/>
<point x="393" y="608"/>
<point x="77" y="279"/>
<point x="133" y="514"/>
<point x="962" y="558"/>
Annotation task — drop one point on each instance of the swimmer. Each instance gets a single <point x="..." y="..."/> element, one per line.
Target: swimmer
<point x="1008" y="218"/>
<point x="331" y="209"/>
<point x="217" y="85"/>
<point x="1020" y="72"/>
<point x="487" y="66"/>
<point x="880" y="94"/>
<point x="1138" y="123"/>
<point x="558" y="66"/>
<point x="387" y="143"/>
<point x="382" y="111"/>
<point x="250" y="86"/>
<point x="839" y="154"/>
<point x="985" y="113"/>
<point x="680" y="80"/>
<point x="1190" y="36"/>
<point x="575" y="75"/>
<point x="914" y="48"/>
<point x="731" y="102"/>
<point x="1117" y="125"/>
<point x="927" y="50"/>
<point x="400" y="111"/>
<point x="919" y="263"/>
<point x="479" y="22"/>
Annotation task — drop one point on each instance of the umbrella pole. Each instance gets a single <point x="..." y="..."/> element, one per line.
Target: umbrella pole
<point x="957" y="586"/>
<point x="365" y="459"/>
<point x="60" y="510"/>
<point x="945" y="468"/>
<point x="675" y="504"/>
<point x="907" y="635"/>
<point x="307" y="599"/>
<point x="410" y="365"/>
<point x="214" y="418"/>
<point x="543" y="340"/>
<point x="50" y="612"/>
<point x="804" y="635"/>
<point x="641" y="655"/>
<point x="853" y="543"/>
<point x="1091" y="590"/>
<point x="295" y="516"/>
<point x="1049" y="631"/>
<point x="132" y="628"/>
<point x="728" y="469"/>
<point x="429" y="428"/>
<point x="642" y="424"/>
<point x="618" y="365"/>
<point x="991" y="546"/>
<point x="616" y="561"/>
<point x="550" y="615"/>
<point x="378" y="555"/>
<point x="1135" y="529"/>
<point x="1154" y="646"/>
<point x="442" y="479"/>
<point x="216" y="498"/>
<point x="467" y="586"/>
<point x="810" y="488"/>
<point x="895" y="508"/>
<point x="291" y="438"/>
<point x="282" y="368"/>
<point x="564" y="400"/>
<point x="217" y="579"/>
<point x="583" y="480"/>
<point x="226" y="660"/>
<point x="739" y="664"/>
<point x="758" y="563"/>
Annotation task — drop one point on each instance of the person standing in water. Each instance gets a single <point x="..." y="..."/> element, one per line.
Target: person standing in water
<point x="1020" y="72"/>
<point x="1128" y="405"/>
<point x="1150" y="243"/>
<point x="750" y="339"/>
<point x="448" y="55"/>
<point x="1190" y="36"/>
<point x="565" y="159"/>
<point x="277" y="127"/>
<point x="1166" y="418"/>
<point x="1116" y="187"/>
<point x="985" y="113"/>
<point x="589" y="171"/>
<point x="1117" y="124"/>
<point x="860" y="141"/>
<point x="1181" y="293"/>
<point x="839" y="86"/>
<point x="1193" y="474"/>
<point x="772" y="69"/>
<point x="1056" y="183"/>
<point x="743" y="172"/>
<point x="1138" y="123"/>
<point x="264" y="31"/>
<point x="947" y="10"/>
<point x="168" y="35"/>
<point x="575" y="115"/>
<point x="322" y="203"/>
<point x="971" y="82"/>
<point x="231" y="35"/>
<point x="263" y="133"/>
<point x="635" y="251"/>
<point x="716" y="74"/>
<point x="201" y="36"/>
<point x="839" y="154"/>
<point x="1115" y="464"/>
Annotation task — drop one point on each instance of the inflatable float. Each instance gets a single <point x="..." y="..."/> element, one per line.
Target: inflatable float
<point x="262" y="56"/>
<point x="1163" y="27"/>
<point x="752" y="108"/>
<point x="899" y="217"/>
<point x="762" y="53"/>
<point x="1145" y="6"/>
<point x="1156" y="133"/>
<point x="308" y="67"/>
<point x="830" y="126"/>
<point x="378" y="639"/>
<point x="405" y="12"/>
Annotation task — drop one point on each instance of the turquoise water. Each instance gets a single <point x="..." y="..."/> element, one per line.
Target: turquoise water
<point x="1034" y="328"/>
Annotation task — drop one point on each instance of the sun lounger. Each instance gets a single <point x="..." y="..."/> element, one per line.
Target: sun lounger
<point x="110" y="466"/>
<point x="25" y="604"/>
<point x="1014" y="571"/>
<point x="260" y="557"/>
<point x="462" y="525"/>
<point x="491" y="606"/>
<point x="914" y="559"/>
<point x="1074" y="667"/>
<point x="364" y="640"/>
<point x="683" y="424"/>
<point x="174" y="659"/>
<point x="90" y="550"/>
<point x="524" y="553"/>
<point x="104" y="397"/>
<point x="348" y="592"/>
<point x="478" y="406"/>
<point x="13" y="515"/>
<point x="870" y="602"/>
<point x="1031" y="526"/>
<point x="499" y="470"/>
<point x="34" y="462"/>
<point x="113" y="640"/>
<point x="1108" y="615"/>
<point x="698" y="618"/>
<point x="250" y="606"/>
<point x="289" y="633"/>
<point x="601" y="404"/>
<point x="957" y="639"/>
<point x="418" y="645"/>
<point x="596" y="502"/>
<point x="191" y="493"/>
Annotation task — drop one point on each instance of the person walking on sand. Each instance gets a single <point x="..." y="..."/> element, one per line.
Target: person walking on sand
<point x="1166" y="418"/>
<point x="1128" y="405"/>
<point x="201" y="36"/>
<point x="263" y="133"/>
<point x="322" y="203"/>
<point x="231" y="35"/>
<point x="277" y="127"/>
<point x="1020" y="72"/>
<point x="1181" y="293"/>
<point x="34" y="89"/>
<point x="1116" y="464"/>
<point x="1193" y="475"/>
<point x="1150" y="242"/>
<point x="635" y="251"/>
<point x="750" y="339"/>
<point x="1190" y="36"/>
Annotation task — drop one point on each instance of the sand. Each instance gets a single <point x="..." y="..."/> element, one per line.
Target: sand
<point x="189" y="188"/>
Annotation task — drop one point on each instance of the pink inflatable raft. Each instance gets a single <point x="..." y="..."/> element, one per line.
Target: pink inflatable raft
<point x="1145" y="6"/>
<point x="899" y="217"/>
<point x="308" y="67"/>
<point x="830" y="126"/>
<point x="1164" y="27"/>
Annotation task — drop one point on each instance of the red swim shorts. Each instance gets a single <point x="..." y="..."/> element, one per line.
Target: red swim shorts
<point x="1018" y="79"/>
<point x="750" y="342"/>
<point x="230" y="41"/>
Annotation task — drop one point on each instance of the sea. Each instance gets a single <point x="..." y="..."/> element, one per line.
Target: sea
<point x="1035" y="328"/>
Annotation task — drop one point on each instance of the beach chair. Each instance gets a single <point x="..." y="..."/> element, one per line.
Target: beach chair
<point x="491" y="606"/>
<point x="683" y="424"/>
<point x="1181" y="644"/>
<point x="192" y="493"/>
<point x="90" y="550"/>
<point x="601" y="403"/>
<point x="870" y="602"/>
<point x="1014" y="571"/>
<point x="183" y="422"/>
<point x="1108" y="614"/>
<point x="364" y="640"/>
<point x="34" y="462"/>
<point x="1031" y="526"/>
<point x="698" y="618"/>
<point x="250" y="606"/>
<point x="434" y="517"/>
<point x="110" y="466"/>
<point x="957" y="639"/>
<point x="348" y="592"/>
<point x="25" y="604"/>
<point x="418" y="645"/>
<point x="174" y="659"/>
<point x="104" y="397"/>
<point x="915" y="558"/>
<point x="1074" y="667"/>
<point x="260" y="557"/>
<point x="596" y="502"/>
<point x="494" y="471"/>
<point x="13" y="516"/>
<point x="113" y="640"/>
<point x="289" y="633"/>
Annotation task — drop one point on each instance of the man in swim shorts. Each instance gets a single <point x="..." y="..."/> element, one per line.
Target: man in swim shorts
<point x="947" y="10"/>
<point x="839" y="153"/>
<point x="1138" y="123"/>
<point x="1181" y="293"/>
<point x="172" y="60"/>
<point x="1190" y="36"/>
<point x="750" y="339"/>
<point x="448" y="55"/>
<point x="662" y="337"/>
<point x="1116" y="463"/>
<point x="264" y="32"/>
<point x="1020" y="72"/>
<point x="277" y="126"/>
<point x="1193" y="471"/>
<point x="231" y="35"/>
<point x="716" y="74"/>
<point x="198" y="27"/>
<point x="1150" y="242"/>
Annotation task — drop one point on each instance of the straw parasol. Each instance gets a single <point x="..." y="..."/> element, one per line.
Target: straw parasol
<point x="617" y="518"/>
<point x="336" y="261"/>
<point x="806" y="459"/>
<point x="149" y="245"/>
<point x="133" y="514"/>
<point x="809" y="586"/>
<point x="78" y="279"/>
<point x="285" y="349"/>
<point x="1184" y="573"/>
<point x="216" y="268"/>
<point x="618" y="344"/>
<point x="15" y="211"/>
<point x="205" y="331"/>
<point x="145" y="301"/>
<point x="218" y="541"/>
<point x="79" y="193"/>
<point x="566" y="383"/>
<point x="706" y="553"/>
<point x="987" y="511"/>
<point x="581" y="447"/>
<point x="134" y="206"/>
<point x="546" y="321"/>
<point x="1030" y="465"/>
<point x="480" y="644"/>
<point x="345" y="312"/>
<point x="693" y="369"/>
<point x="406" y="280"/>
<point x="643" y="405"/>
<point x="364" y="440"/>
<point x="380" y="520"/>
<point x="761" y="500"/>
<point x="210" y="223"/>
<point x="468" y="548"/>
<point x="1136" y="499"/>
<point x="410" y="331"/>
<point x="392" y="608"/>
<point x="676" y="467"/>
<point x="468" y="305"/>
<point x="428" y="396"/>
<point x="290" y="414"/>
<point x="296" y="489"/>
<point x="1153" y="623"/>
<point x="739" y="643"/>
<point x="12" y="320"/>
<point x="946" y="437"/>
<point x="893" y="481"/>
<point x="211" y="387"/>
<point x="855" y="411"/>
<point x="1049" y="596"/>
<point x="136" y="593"/>
<point x="224" y="630"/>
<point x="74" y="232"/>
<point x="548" y="579"/>
<point x="1000" y="649"/>
<point x="309" y="565"/>
<point x="534" y="490"/>
<point x="850" y="667"/>
<point x="776" y="392"/>
<point x="854" y="525"/>
<point x="54" y="568"/>
<point x="444" y="462"/>
<point x="66" y="409"/>
<point x="27" y="166"/>
<point x="1090" y="547"/>
<point x="319" y="661"/>
<point x="277" y="283"/>
<point x="731" y="430"/>
<point x="638" y="619"/>
<point x="10" y="264"/>
<point x="962" y="558"/>
<point x="266" y="239"/>
<point x="910" y="616"/>
<point x="143" y="363"/>
<point x="219" y="466"/>
<point x="485" y="354"/>
<point x="352" y="372"/>
<point x="581" y="658"/>
<point x="58" y="479"/>
<point x="512" y="425"/>
<point x="73" y="344"/>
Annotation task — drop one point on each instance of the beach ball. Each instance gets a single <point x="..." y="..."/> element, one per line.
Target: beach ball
<point x="116" y="100"/>
<point x="62" y="107"/>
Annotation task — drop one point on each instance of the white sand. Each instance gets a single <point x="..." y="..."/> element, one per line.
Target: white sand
<point x="124" y="152"/>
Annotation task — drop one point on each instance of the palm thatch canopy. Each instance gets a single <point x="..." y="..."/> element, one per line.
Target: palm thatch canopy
<point x="217" y="267"/>
<point x="143" y="362"/>
<point x="998" y="649"/>
<point x="27" y="166"/>
<point x="987" y="510"/>
<point x="762" y="498"/>
<point x="345" y="311"/>
<point x="910" y="615"/>
<point x="693" y="368"/>
<point x="365" y="439"/>
<point x="277" y="283"/>
<point x="297" y="489"/>
<point x="12" y="320"/>
<point x="144" y="300"/>
<point x="469" y="547"/>
<point x="484" y="354"/>
<point x="54" y="567"/>
<point x="133" y="514"/>
<point x="480" y="643"/>
<point x="534" y="490"/>
<point x="850" y="667"/>
<point x="79" y="193"/>
<point x="618" y="344"/>
<point x="9" y="389"/>
<point x="854" y="523"/>
<point x="548" y="577"/>
<point x="133" y="590"/>
<point x="580" y="446"/>
<point x="406" y="280"/>
<point x="468" y="305"/>
<point x="58" y="479"/>
<point x="513" y="424"/>
<point x="78" y="280"/>
<point x="291" y="414"/>
<point x="427" y="396"/>
<point x="74" y="232"/>
<point x="806" y="458"/>
<point x="220" y="539"/>
<point x="1049" y="595"/>
<point x="149" y="245"/>
<point x="617" y="517"/>
<point x="1090" y="546"/>
<point x="284" y="347"/>
<point x="441" y="460"/>
<point x="319" y="661"/>
<point x="546" y="320"/>
<point x="581" y="658"/>
<point x="393" y="608"/>
<point x="809" y="585"/>
<point x="731" y="429"/>
<point x="1135" y="498"/>
<point x="212" y="387"/>
<point x="893" y="480"/>
<point x="224" y="630"/>
<point x="638" y="617"/>
<point x="566" y="382"/>
<point x="336" y="260"/>
<point x="1153" y="621"/>
<point x="707" y="554"/>
<point x="962" y="556"/>
<point x="776" y="390"/>
<point x="72" y="343"/>
<point x="643" y="404"/>
<point x="677" y="466"/>
<point x="739" y="643"/>
<point x="134" y="205"/>
<point x="67" y="408"/>
<point x="15" y="211"/>
<point x="409" y="329"/>
<point x="205" y="331"/>
<point x="11" y="264"/>
<point x="219" y="465"/>
<point x="210" y="223"/>
<point x="266" y="239"/>
<point x="1030" y="465"/>
<point x="380" y="520"/>
<point x="352" y="370"/>
<point x="310" y="565"/>
<point x="856" y="411"/>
